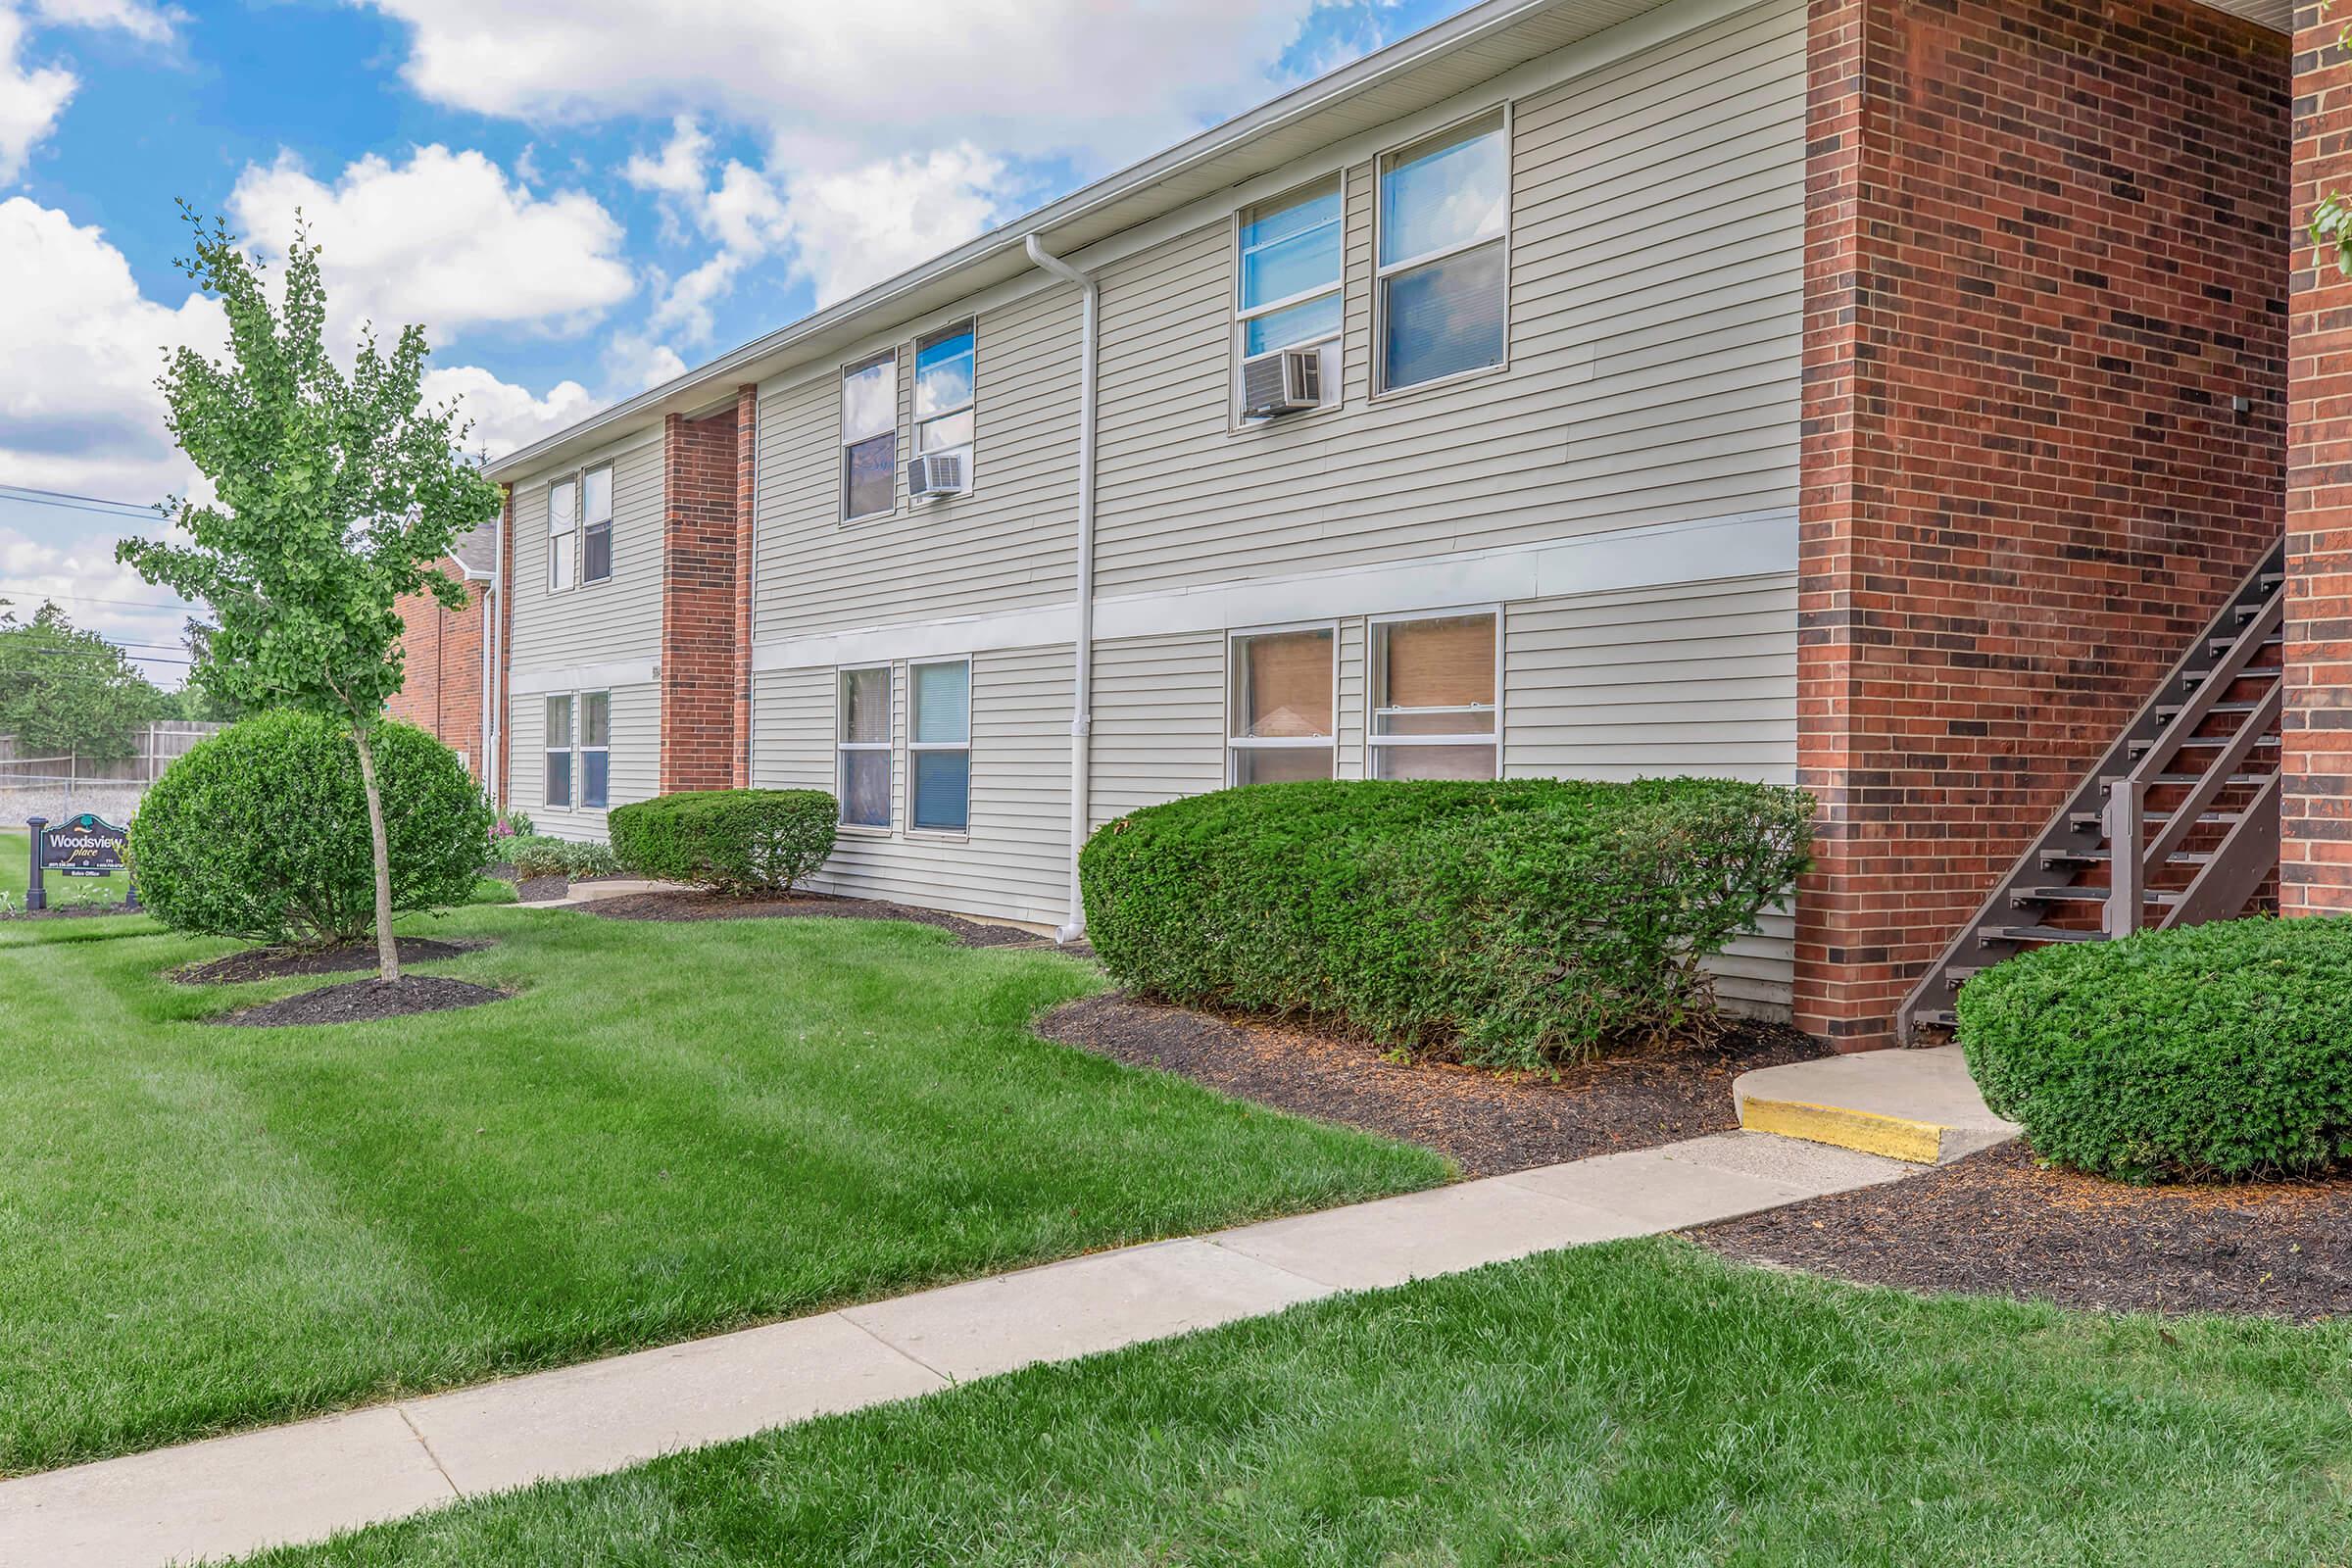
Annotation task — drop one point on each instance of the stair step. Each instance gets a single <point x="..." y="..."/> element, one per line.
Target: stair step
<point x="2202" y="816"/>
<point x="1946" y="1019"/>
<point x="2052" y="859"/>
<point x="1987" y="935"/>
<point x="2219" y="646"/>
<point x="2083" y="895"/>
<point x="1957" y="977"/>
<point x="2139" y="748"/>
<point x="2198" y="677"/>
<point x="2199" y="778"/>
<point x="2271" y="581"/>
<point x="2172" y="710"/>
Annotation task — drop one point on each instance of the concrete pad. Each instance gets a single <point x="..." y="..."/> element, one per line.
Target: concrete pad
<point x="221" y="1498"/>
<point x="1659" y="1192"/>
<point x="1915" y="1105"/>
<point x="1076" y="1308"/>
<point x="1445" y="1231"/>
<point x="606" y="1415"/>
<point x="1814" y="1169"/>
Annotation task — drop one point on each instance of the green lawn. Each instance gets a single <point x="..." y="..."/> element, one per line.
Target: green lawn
<point x="16" y="871"/>
<point x="674" y="1129"/>
<point x="1641" y="1403"/>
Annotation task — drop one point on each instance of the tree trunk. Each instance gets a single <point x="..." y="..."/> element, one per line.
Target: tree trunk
<point x="387" y="950"/>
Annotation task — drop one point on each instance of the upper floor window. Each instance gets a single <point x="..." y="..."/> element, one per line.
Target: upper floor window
<point x="1281" y="706"/>
<point x="1433" y="698"/>
<point x="869" y="437"/>
<point x="562" y="530"/>
<point x="1290" y="276"/>
<point x="943" y="396"/>
<point x="596" y="524"/>
<point x="1443" y="225"/>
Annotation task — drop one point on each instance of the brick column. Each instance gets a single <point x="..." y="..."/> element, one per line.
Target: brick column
<point x="747" y="480"/>
<point x="2046" y="251"/>
<point x="700" y="661"/>
<point x="2315" y="802"/>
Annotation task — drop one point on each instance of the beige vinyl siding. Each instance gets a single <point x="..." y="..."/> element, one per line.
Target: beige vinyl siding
<point x="1654" y="371"/>
<point x="1009" y="544"/>
<point x="1697" y="678"/>
<point x="593" y="622"/>
<point x="636" y="774"/>
<point x="1013" y="864"/>
<point x="1159" y="722"/>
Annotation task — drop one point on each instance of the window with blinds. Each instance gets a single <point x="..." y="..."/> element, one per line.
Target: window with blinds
<point x="939" y="745"/>
<point x="1434" y="713"/>
<point x="1281" y="706"/>
<point x="862" y="745"/>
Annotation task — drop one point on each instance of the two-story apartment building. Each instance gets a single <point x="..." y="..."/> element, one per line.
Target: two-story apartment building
<point x="1873" y="394"/>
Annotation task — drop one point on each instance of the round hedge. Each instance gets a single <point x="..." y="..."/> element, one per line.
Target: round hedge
<point x="2220" y="1051"/>
<point x="261" y="832"/>
<point x="733" y="840"/>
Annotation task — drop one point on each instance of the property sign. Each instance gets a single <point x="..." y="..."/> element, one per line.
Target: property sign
<point x="83" y="846"/>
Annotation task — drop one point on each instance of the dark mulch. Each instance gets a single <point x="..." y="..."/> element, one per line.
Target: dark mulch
<point x="365" y="1001"/>
<point x="68" y="911"/>
<point x="1998" y="1224"/>
<point x="275" y="964"/>
<point x="816" y="906"/>
<point x="540" y="889"/>
<point x="1487" y="1122"/>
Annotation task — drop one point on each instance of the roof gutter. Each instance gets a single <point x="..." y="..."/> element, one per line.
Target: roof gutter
<point x="1082" y="720"/>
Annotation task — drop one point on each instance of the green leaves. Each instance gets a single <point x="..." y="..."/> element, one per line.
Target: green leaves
<point x="66" y="691"/>
<point x="736" y="841"/>
<point x="336" y="491"/>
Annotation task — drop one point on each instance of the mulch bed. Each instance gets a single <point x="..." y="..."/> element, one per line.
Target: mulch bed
<point x="1488" y="1123"/>
<point x="68" y="911"/>
<point x="275" y="964"/>
<point x="540" y="889"/>
<point x="1998" y="1224"/>
<point x="364" y="1002"/>
<point x="815" y="905"/>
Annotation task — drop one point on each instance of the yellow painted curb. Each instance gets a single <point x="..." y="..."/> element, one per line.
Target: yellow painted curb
<point x="1918" y="1142"/>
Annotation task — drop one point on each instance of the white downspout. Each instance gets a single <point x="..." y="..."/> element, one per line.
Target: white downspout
<point x="488" y="606"/>
<point x="1082" y="721"/>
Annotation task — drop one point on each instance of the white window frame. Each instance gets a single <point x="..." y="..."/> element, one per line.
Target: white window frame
<point x="580" y="751"/>
<point x="914" y="746"/>
<point x="1376" y="678"/>
<point x="841" y="415"/>
<point x="569" y="751"/>
<point x="887" y="746"/>
<point x="1235" y="745"/>
<point x="969" y="326"/>
<point x="562" y="544"/>
<point x="589" y="526"/>
<point x="1382" y="274"/>
<point x="1332" y="348"/>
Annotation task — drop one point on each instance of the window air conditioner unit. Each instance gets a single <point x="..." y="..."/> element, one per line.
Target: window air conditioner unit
<point x="934" y="474"/>
<point x="1286" y="381"/>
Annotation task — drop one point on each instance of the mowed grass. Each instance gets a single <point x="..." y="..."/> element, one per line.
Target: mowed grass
<point x="1641" y="1404"/>
<point x="671" y="1129"/>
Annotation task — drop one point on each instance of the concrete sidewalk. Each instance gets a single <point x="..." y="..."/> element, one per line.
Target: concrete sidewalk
<point x="304" y="1480"/>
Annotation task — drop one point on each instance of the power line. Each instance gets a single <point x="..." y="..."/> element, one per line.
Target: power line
<point x="92" y="599"/>
<point x="66" y="497"/>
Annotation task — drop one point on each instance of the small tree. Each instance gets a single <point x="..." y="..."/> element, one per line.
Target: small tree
<point x="338" y="490"/>
<point x="66" y="690"/>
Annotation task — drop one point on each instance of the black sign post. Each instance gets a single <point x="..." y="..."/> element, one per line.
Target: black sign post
<point x="82" y="846"/>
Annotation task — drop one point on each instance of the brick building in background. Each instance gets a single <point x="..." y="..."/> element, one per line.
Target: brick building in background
<point x="447" y="652"/>
<point x="1975" y="455"/>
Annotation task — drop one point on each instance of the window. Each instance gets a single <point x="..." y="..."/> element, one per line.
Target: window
<point x="942" y="395"/>
<point x="1289" y="273"/>
<point x="563" y="523"/>
<point x="1433" y="698"/>
<point x="1444" y="253"/>
<point x="596" y="517"/>
<point x="596" y="748"/>
<point x="1281" y="706"/>
<point x="869" y="437"/>
<point x="558" y="752"/>
<point x="864" y="745"/>
<point x="939" y="748"/>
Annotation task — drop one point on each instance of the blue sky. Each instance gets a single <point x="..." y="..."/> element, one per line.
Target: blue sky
<point x="578" y="200"/>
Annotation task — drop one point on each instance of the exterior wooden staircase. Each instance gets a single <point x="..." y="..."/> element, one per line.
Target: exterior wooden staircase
<point x="2176" y="825"/>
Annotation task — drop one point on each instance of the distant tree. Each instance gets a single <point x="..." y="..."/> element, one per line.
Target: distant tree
<point x="339" y="491"/>
<point x="64" y="690"/>
<point x="204" y="699"/>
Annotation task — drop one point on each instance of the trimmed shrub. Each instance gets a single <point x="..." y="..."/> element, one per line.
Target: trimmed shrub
<point x="261" y="832"/>
<point x="1527" y="922"/>
<point x="733" y="840"/>
<point x="538" y="854"/>
<point x="2212" y="1051"/>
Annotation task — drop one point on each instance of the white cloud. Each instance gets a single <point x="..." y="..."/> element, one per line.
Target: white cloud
<point x="94" y="592"/>
<point x="31" y="98"/>
<point x="634" y="362"/>
<point x="860" y="226"/>
<point x="506" y="416"/>
<point x="1021" y="77"/>
<point x="147" y="23"/>
<point x="79" y="406"/>
<point x="445" y="239"/>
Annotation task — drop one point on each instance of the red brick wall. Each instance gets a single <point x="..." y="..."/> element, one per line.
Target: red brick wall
<point x="700" y="674"/>
<point x="442" y="671"/>
<point x="2315" y="802"/>
<point x="2046" y="250"/>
